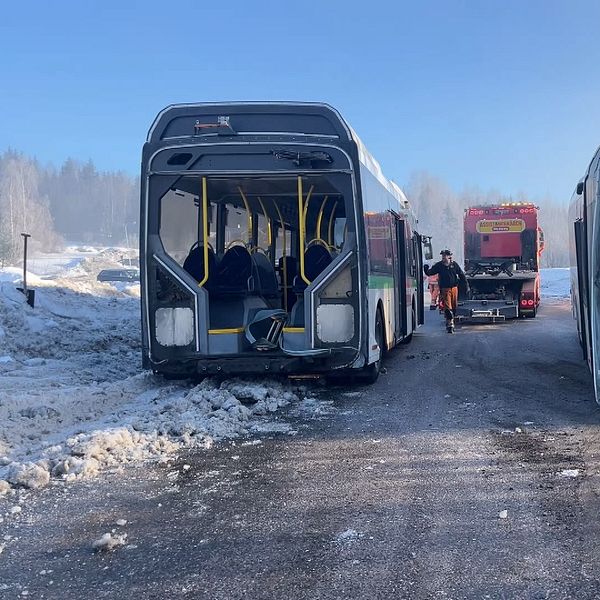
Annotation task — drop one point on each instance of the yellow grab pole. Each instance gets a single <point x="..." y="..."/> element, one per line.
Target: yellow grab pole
<point x="204" y="231"/>
<point x="330" y="230"/>
<point x="283" y="254"/>
<point x="269" y="235"/>
<point x="310" y="191"/>
<point x="320" y="218"/>
<point x="245" y="200"/>
<point x="305" y="212"/>
<point x="301" y="230"/>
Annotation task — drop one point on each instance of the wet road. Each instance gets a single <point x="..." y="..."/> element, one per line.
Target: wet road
<point x="389" y="491"/>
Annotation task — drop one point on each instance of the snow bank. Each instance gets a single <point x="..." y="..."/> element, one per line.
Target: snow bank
<point x="142" y="417"/>
<point x="74" y="402"/>
<point x="555" y="283"/>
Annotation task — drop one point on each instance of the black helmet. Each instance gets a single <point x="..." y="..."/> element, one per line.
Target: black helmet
<point x="446" y="252"/>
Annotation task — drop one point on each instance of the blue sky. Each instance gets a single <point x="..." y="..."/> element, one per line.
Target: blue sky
<point x="497" y="94"/>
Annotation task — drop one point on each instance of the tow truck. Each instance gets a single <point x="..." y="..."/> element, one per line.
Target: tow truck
<point x="503" y="248"/>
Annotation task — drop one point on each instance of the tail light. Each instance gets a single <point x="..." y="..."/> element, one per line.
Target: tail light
<point x="527" y="300"/>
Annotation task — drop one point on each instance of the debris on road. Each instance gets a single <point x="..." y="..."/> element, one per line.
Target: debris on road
<point x="503" y="514"/>
<point x="107" y="542"/>
<point x="572" y="473"/>
<point x="350" y="535"/>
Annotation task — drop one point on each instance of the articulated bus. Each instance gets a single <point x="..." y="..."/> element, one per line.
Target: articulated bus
<point x="584" y="229"/>
<point x="271" y="242"/>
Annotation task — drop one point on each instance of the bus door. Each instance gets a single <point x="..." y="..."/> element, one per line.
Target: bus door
<point x="582" y="292"/>
<point x="418" y="251"/>
<point x="400" y="249"/>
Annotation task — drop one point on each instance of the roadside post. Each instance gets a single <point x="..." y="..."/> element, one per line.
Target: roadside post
<point x="29" y="294"/>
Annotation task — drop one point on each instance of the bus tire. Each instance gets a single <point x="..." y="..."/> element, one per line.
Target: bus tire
<point x="371" y="372"/>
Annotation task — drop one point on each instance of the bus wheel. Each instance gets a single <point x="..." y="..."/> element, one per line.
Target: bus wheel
<point x="371" y="372"/>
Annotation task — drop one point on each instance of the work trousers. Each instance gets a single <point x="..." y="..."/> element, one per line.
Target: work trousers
<point x="450" y="299"/>
<point x="434" y="290"/>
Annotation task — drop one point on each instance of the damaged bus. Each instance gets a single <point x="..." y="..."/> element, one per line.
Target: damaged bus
<point x="271" y="242"/>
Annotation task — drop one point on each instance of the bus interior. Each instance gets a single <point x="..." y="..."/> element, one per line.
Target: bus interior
<point x="254" y="244"/>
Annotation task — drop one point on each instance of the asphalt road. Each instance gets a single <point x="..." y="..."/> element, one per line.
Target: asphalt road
<point x="388" y="491"/>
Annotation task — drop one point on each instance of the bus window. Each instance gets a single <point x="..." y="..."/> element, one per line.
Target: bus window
<point x="263" y="232"/>
<point x="178" y="223"/>
<point x="339" y="232"/>
<point x="279" y="243"/>
<point x="380" y="243"/>
<point x="236" y="225"/>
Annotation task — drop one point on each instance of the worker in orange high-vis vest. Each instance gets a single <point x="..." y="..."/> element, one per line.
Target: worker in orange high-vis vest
<point x="449" y="276"/>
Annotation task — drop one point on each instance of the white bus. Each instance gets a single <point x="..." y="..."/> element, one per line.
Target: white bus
<point x="271" y="242"/>
<point x="584" y="228"/>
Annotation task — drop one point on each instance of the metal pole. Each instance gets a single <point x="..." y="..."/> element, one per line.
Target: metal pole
<point x="25" y="236"/>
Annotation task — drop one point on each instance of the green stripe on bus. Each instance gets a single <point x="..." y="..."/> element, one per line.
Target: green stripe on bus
<point x="381" y="281"/>
<point x="387" y="281"/>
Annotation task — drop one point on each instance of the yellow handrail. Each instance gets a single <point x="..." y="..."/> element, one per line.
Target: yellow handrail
<point x="269" y="235"/>
<point x="283" y="251"/>
<point x="305" y="212"/>
<point x="320" y="218"/>
<point x="204" y="231"/>
<point x="245" y="200"/>
<point x="330" y="230"/>
<point x="301" y="226"/>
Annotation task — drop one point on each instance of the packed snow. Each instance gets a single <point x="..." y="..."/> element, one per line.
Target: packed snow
<point x="73" y="397"/>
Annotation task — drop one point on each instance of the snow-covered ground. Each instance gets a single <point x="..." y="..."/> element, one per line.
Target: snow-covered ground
<point x="556" y="283"/>
<point x="73" y="398"/>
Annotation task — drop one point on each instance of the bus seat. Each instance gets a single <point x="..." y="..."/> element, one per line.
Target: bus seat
<point x="291" y="268"/>
<point x="297" y="314"/>
<point x="194" y="265"/>
<point x="316" y="259"/>
<point x="234" y="272"/>
<point x="265" y="328"/>
<point x="265" y="279"/>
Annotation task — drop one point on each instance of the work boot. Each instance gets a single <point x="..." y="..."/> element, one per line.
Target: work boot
<point x="450" y="325"/>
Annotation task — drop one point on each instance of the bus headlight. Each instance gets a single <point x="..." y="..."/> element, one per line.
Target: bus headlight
<point x="335" y="322"/>
<point x="174" y="326"/>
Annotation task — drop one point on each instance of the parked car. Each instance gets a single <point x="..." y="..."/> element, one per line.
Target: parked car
<point x="132" y="275"/>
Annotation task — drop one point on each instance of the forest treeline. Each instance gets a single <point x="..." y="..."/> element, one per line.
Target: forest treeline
<point x="78" y="203"/>
<point x="440" y="212"/>
<point x="75" y="202"/>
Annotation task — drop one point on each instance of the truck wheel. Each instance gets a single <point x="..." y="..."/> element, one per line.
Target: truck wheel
<point x="371" y="372"/>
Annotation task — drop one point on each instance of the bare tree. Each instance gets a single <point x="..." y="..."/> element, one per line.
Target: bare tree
<point x="440" y="212"/>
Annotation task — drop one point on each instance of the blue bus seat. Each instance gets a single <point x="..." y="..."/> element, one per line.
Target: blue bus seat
<point x="194" y="265"/>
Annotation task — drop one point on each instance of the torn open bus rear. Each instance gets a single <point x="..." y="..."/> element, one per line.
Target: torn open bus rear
<point x="271" y="242"/>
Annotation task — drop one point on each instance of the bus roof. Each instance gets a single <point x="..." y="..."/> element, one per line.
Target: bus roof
<point x="309" y="119"/>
